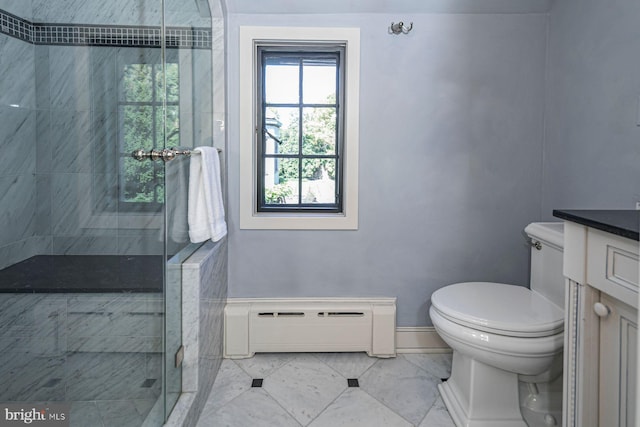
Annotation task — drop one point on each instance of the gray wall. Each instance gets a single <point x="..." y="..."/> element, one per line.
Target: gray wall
<point x="592" y="147"/>
<point x="451" y="120"/>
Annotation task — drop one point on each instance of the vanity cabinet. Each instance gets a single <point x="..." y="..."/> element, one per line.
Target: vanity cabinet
<point x="601" y="325"/>
<point x="618" y="361"/>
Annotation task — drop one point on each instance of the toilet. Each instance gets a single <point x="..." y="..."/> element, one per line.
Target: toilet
<point x="507" y="342"/>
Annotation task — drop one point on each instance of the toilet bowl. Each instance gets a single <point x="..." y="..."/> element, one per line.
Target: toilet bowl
<point x="502" y="335"/>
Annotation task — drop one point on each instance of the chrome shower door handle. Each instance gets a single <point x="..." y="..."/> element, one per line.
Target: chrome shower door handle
<point x="165" y="155"/>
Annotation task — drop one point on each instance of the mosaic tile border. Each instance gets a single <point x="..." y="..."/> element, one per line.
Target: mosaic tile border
<point x="103" y="35"/>
<point x="14" y="26"/>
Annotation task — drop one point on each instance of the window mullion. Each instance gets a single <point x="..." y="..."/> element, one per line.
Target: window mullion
<point x="300" y="157"/>
<point x="300" y="129"/>
<point x="260" y="129"/>
<point x="154" y="127"/>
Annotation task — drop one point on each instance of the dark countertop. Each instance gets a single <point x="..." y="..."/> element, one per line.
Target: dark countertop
<point x="622" y="223"/>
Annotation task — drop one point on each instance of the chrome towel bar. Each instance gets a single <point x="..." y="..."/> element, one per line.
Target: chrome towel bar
<point x="166" y="154"/>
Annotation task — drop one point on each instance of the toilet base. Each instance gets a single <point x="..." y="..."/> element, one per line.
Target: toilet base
<point x="479" y="395"/>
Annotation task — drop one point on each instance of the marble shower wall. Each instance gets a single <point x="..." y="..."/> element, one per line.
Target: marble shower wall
<point x="60" y="346"/>
<point x="79" y="155"/>
<point x="59" y="130"/>
<point x="204" y="295"/>
<point x="18" y="236"/>
<point x="125" y="12"/>
<point x="77" y="137"/>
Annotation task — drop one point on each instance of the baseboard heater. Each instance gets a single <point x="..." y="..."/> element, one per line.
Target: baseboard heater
<point x="259" y="325"/>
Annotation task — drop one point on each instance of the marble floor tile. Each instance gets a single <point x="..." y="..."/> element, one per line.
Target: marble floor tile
<point x="305" y="387"/>
<point x="127" y="420"/>
<point x="402" y="386"/>
<point x="231" y="382"/>
<point x="263" y="364"/>
<point x="355" y="408"/>
<point x="85" y="414"/>
<point x="120" y="413"/>
<point x="438" y="416"/>
<point x="116" y="408"/>
<point x="310" y="389"/>
<point x="144" y="406"/>
<point x="45" y="378"/>
<point x="349" y="365"/>
<point x="252" y="408"/>
<point x="119" y="374"/>
<point x="437" y="364"/>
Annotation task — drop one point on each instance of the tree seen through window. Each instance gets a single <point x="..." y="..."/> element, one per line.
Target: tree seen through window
<point x="141" y="103"/>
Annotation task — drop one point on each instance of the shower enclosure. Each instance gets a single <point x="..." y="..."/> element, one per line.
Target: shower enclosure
<point x="92" y="240"/>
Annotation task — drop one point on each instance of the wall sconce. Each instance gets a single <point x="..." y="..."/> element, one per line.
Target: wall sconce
<point x="400" y="28"/>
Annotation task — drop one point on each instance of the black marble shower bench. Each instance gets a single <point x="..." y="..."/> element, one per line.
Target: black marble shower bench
<point x="84" y="274"/>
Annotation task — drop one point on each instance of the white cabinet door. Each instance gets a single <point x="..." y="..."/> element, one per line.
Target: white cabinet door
<point x="618" y="363"/>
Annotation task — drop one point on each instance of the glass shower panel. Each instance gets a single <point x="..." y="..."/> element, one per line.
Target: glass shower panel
<point x="83" y="249"/>
<point x="189" y="124"/>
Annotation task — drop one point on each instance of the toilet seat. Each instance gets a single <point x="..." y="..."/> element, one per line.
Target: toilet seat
<point x="499" y="309"/>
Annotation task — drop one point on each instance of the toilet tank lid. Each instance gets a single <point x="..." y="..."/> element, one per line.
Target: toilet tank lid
<point x="547" y="232"/>
<point x="499" y="308"/>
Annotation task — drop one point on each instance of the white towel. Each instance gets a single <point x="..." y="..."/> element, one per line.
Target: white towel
<point x="206" y="211"/>
<point x="176" y="194"/>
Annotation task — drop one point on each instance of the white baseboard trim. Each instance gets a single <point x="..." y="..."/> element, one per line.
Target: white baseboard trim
<point x="247" y="330"/>
<point x="419" y="339"/>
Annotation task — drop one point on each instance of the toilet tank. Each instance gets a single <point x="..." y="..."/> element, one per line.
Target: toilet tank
<point x="546" y="260"/>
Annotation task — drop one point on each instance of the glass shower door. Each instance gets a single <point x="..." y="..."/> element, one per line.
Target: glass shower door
<point x="89" y="271"/>
<point x="188" y="124"/>
<point x="93" y="240"/>
<point x="149" y="102"/>
<point x="179" y="105"/>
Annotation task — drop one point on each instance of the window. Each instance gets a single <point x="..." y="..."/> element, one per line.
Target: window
<point x="299" y="127"/>
<point x="141" y="103"/>
<point x="299" y="149"/>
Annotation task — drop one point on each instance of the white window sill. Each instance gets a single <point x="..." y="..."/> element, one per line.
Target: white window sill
<point x="293" y="221"/>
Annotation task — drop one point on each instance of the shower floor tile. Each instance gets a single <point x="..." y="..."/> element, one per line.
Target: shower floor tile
<point x="311" y="389"/>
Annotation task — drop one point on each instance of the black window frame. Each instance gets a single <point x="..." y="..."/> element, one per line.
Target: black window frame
<point x="301" y="52"/>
